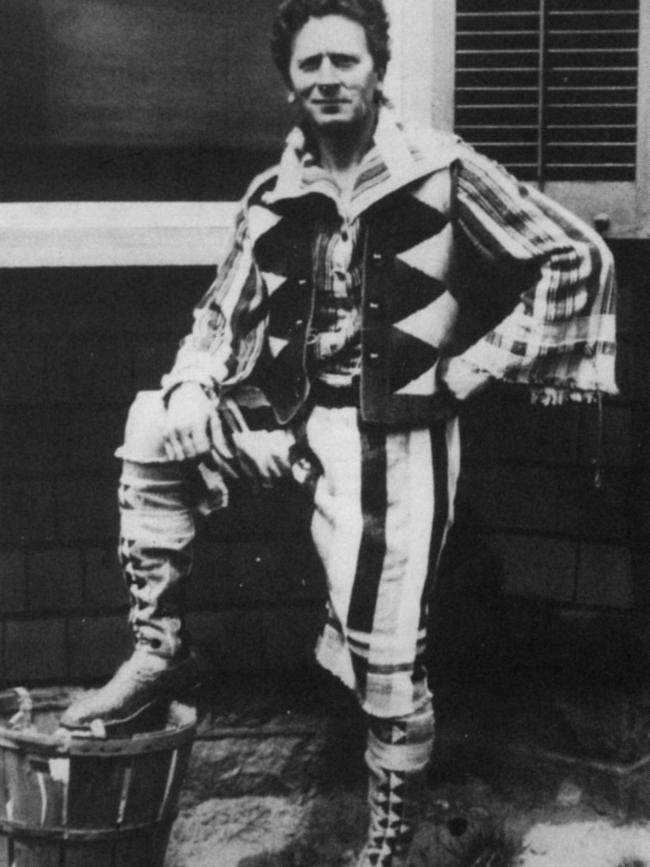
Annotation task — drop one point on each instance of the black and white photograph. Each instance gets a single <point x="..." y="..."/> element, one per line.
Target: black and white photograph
<point x="324" y="433"/>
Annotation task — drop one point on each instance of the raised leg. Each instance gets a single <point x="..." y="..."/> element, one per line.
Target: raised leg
<point x="159" y="502"/>
<point x="157" y="515"/>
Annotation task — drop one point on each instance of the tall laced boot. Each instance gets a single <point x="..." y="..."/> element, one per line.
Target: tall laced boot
<point x="397" y="757"/>
<point x="157" y="532"/>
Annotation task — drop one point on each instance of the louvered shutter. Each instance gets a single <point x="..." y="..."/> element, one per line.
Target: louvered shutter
<point x="549" y="87"/>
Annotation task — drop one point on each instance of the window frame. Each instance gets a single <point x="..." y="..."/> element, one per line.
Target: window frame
<point x="626" y="204"/>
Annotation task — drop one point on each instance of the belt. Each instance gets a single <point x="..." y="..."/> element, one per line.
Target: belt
<point x="334" y="396"/>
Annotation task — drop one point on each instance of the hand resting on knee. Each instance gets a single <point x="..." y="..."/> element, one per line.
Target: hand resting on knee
<point x="194" y="428"/>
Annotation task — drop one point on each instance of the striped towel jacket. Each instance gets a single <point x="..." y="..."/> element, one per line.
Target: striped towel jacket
<point x="420" y="197"/>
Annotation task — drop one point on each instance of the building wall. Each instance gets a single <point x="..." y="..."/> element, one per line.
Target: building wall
<point x="534" y="532"/>
<point x="76" y="344"/>
<point x="138" y="74"/>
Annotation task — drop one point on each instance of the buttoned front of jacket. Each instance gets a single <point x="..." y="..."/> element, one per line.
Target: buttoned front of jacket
<point x="407" y="309"/>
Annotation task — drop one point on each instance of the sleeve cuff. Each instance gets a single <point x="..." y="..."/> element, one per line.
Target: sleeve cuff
<point x="171" y="382"/>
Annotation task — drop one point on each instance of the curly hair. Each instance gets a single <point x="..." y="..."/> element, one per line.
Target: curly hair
<point x="292" y="15"/>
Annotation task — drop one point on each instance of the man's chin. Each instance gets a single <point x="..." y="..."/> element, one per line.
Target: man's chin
<point x="332" y="122"/>
<point x="333" y="117"/>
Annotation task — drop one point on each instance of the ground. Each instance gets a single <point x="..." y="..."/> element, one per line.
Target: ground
<point x="534" y="766"/>
<point x="523" y="774"/>
<point x="278" y="832"/>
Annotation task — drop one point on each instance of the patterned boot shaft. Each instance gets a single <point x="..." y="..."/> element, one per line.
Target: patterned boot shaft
<point x="393" y="808"/>
<point x="399" y="750"/>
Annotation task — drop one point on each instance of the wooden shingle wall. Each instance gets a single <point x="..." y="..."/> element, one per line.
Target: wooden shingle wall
<point x="78" y="343"/>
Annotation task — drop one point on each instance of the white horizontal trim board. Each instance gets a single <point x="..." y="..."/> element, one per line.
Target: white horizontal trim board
<point x="78" y="234"/>
<point x="117" y="234"/>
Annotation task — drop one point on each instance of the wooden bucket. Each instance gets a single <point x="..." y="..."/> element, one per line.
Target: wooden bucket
<point x="86" y="802"/>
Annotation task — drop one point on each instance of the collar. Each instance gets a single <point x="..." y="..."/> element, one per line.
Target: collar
<point x="396" y="158"/>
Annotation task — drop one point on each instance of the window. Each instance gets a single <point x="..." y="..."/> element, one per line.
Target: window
<point x="549" y="87"/>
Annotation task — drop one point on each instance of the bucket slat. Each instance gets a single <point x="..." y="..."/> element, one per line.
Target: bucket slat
<point x="134" y="850"/>
<point x="3" y="789"/>
<point x="89" y="855"/>
<point x="25" y="795"/>
<point x="53" y="813"/>
<point x="95" y="790"/>
<point x="159" y="841"/>
<point x="149" y="776"/>
<point x="178" y="774"/>
<point x="5" y="860"/>
<point x="30" y="853"/>
<point x="50" y="792"/>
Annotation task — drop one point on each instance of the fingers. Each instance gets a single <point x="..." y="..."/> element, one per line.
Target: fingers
<point x="263" y="455"/>
<point x="188" y="441"/>
<point x="173" y="449"/>
<point x="197" y="438"/>
<point x="260" y="456"/>
<point x="179" y="445"/>
<point x="187" y="421"/>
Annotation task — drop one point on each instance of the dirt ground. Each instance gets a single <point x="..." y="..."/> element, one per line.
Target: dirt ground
<point x="324" y="831"/>
<point x="497" y="795"/>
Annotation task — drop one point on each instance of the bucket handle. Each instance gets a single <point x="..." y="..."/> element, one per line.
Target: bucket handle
<point x="22" y="719"/>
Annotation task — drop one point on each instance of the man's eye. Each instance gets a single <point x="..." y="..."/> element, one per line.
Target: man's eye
<point x="343" y="61"/>
<point x="310" y="65"/>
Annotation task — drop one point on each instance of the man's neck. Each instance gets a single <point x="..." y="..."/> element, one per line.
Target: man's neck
<point x="341" y="151"/>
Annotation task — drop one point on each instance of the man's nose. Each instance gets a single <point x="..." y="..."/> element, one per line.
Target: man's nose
<point x="327" y="78"/>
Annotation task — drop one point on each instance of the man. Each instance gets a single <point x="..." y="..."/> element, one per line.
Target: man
<point x="339" y="295"/>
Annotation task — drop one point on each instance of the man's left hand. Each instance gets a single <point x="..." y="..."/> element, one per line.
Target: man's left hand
<point x="462" y="378"/>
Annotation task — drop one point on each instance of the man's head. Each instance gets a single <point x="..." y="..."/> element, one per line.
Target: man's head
<point x="292" y="15"/>
<point x="333" y="56"/>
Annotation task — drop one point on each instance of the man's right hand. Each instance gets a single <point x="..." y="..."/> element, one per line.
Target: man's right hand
<point x="189" y="420"/>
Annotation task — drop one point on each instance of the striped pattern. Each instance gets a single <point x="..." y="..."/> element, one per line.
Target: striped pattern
<point x="229" y="321"/>
<point x="561" y="335"/>
<point x="382" y="511"/>
<point x="408" y="215"/>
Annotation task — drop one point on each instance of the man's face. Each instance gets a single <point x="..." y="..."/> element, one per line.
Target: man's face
<point x="333" y="73"/>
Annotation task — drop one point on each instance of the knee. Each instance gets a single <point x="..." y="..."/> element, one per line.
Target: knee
<point x="143" y="434"/>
